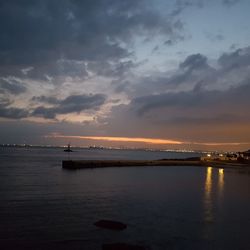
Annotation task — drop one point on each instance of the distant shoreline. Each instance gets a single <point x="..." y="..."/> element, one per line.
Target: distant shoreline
<point x="102" y="148"/>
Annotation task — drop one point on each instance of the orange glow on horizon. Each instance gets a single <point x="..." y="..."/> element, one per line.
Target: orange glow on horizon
<point x="146" y="140"/>
<point x="119" y="139"/>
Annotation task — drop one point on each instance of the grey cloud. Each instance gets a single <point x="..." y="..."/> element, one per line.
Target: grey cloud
<point x="120" y="85"/>
<point x="230" y="2"/>
<point x="45" y="99"/>
<point x="11" y="86"/>
<point x="194" y="69"/>
<point x="195" y="61"/>
<point x="110" y="69"/>
<point x="156" y="48"/>
<point x="215" y="37"/>
<point x="232" y="69"/>
<point x="181" y="100"/>
<point x="48" y="113"/>
<point x="203" y="119"/>
<point x="12" y="113"/>
<point x="71" y="104"/>
<point x="169" y="42"/>
<point x="236" y="59"/>
<point x="181" y="5"/>
<point x="81" y="102"/>
<point x="198" y="100"/>
<point x="58" y="69"/>
<point x="41" y="33"/>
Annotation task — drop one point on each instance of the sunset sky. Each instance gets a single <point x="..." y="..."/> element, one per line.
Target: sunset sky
<point x="137" y="73"/>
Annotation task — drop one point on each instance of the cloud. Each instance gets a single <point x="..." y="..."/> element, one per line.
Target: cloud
<point x="215" y="37"/>
<point x="60" y="38"/>
<point x="58" y="69"/>
<point x="11" y="112"/>
<point x="230" y="2"/>
<point x="11" y="86"/>
<point x="208" y="87"/>
<point x="169" y="42"/>
<point x="193" y="70"/>
<point x="236" y="59"/>
<point x="197" y="100"/>
<point x="109" y="69"/>
<point x="195" y="61"/>
<point x="181" y="5"/>
<point x="45" y="99"/>
<point x="71" y="104"/>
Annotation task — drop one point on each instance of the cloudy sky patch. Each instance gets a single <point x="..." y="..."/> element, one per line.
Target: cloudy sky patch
<point x="171" y="70"/>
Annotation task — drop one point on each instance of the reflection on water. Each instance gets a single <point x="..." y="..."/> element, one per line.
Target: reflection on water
<point x="208" y="203"/>
<point x="209" y="198"/>
<point x="209" y="193"/>
<point x="220" y="183"/>
<point x="44" y="207"/>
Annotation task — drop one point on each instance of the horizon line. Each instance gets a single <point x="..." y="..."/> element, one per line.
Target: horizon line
<point x="146" y="140"/>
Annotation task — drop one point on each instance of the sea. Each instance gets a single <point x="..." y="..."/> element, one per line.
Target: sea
<point x="43" y="206"/>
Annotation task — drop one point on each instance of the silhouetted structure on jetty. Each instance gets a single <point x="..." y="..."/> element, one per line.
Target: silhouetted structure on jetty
<point x="68" y="149"/>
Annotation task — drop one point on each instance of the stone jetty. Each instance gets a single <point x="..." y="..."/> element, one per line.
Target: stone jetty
<point x="81" y="164"/>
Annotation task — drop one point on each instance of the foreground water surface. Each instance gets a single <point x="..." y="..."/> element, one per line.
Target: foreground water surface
<point x="43" y="206"/>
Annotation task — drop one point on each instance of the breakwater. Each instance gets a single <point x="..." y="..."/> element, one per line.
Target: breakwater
<point x="194" y="161"/>
<point x="81" y="164"/>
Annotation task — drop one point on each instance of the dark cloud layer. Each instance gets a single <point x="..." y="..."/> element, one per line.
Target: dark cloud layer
<point x="51" y="36"/>
<point x="12" y="113"/>
<point x="235" y="60"/>
<point x="11" y="86"/>
<point x="194" y="72"/>
<point x="45" y="99"/>
<point x="193" y="62"/>
<point x="197" y="100"/>
<point x="71" y="104"/>
<point x="203" y="96"/>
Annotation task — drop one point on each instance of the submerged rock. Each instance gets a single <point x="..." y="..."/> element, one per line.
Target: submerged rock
<point x="122" y="246"/>
<point x="110" y="224"/>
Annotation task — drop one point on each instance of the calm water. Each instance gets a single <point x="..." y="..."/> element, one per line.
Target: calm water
<point x="45" y="207"/>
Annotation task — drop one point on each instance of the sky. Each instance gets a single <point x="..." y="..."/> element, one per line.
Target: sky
<point x="135" y="73"/>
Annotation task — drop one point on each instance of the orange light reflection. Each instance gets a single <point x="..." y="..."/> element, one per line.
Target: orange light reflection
<point x="208" y="196"/>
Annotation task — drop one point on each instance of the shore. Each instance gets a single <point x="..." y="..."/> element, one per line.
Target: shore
<point x="83" y="164"/>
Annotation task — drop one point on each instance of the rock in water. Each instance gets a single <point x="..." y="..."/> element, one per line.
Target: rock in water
<point x="110" y="224"/>
<point x="122" y="246"/>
